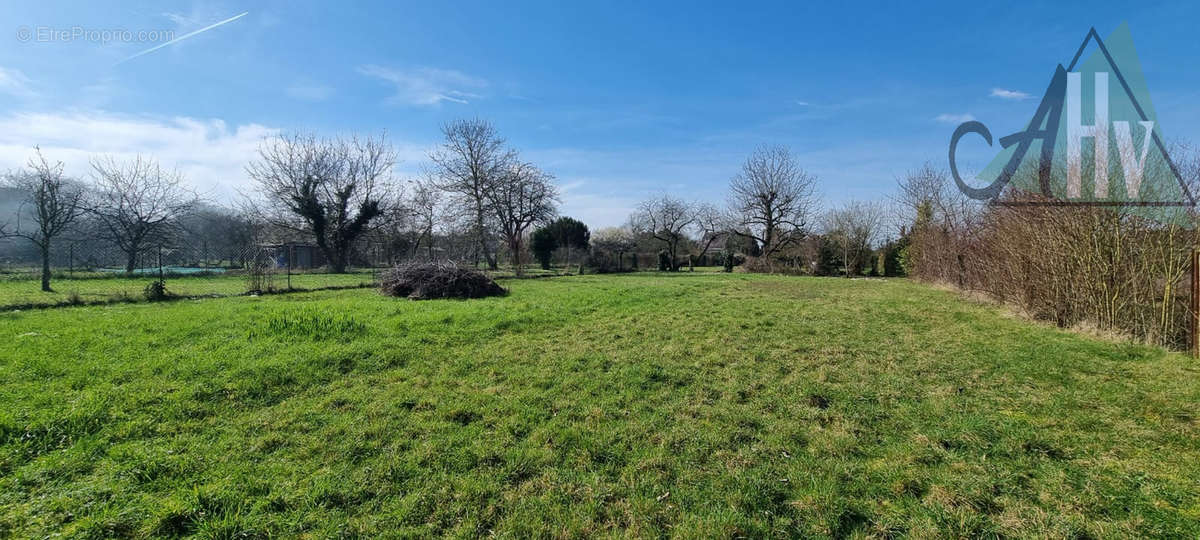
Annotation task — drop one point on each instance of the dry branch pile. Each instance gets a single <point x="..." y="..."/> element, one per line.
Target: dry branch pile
<point x="428" y="280"/>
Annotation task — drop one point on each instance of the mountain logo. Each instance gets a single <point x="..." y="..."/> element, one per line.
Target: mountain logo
<point x="1094" y="141"/>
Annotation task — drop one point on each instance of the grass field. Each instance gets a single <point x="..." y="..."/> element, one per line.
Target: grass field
<point x="26" y="292"/>
<point x="644" y="405"/>
<point x="19" y="290"/>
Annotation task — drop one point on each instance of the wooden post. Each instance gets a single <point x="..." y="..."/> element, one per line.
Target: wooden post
<point x="291" y="254"/>
<point x="1194" y="316"/>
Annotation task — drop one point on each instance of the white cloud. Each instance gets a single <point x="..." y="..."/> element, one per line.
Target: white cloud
<point x="947" y="118"/>
<point x="211" y="155"/>
<point x="1009" y="94"/>
<point x="15" y="83"/>
<point x="181" y="20"/>
<point x="309" y="92"/>
<point x="598" y="209"/>
<point x="426" y="86"/>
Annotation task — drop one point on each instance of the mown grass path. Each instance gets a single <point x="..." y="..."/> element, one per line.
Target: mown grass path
<point x="644" y="405"/>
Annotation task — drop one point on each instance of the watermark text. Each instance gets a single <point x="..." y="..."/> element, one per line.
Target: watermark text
<point x="52" y="34"/>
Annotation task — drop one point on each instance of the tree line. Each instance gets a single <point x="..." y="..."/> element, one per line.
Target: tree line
<point x="477" y="201"/>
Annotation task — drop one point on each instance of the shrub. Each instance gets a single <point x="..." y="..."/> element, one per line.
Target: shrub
<point x="728" y="261"/>
<point x="757" y="265"/>
<point x="156" y="290"/>
<point x="601" y="263"/>
<point x="606" y="263"/>
<point x="543" y="245"/>
<point x="260" y="271"/>
<point x="664" y="261"/>
<point x="427" y="280"/>
<point x="761" y="265"/>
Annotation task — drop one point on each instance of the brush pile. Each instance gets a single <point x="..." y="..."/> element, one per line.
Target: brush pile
<point x="429" y="280"/>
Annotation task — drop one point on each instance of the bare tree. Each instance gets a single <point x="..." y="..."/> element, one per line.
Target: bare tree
<point x="615" y="240"/>
<point x="942" y="223"/>
<point x="520" y="197"/>
<point x="426" y="208"/>
<point x="138" y="203"/>
<point x="855" y="227"/>
<point x="55" y="203"/>
<point x="771" y="198"/>
<point x="470" y="160"/>
<point x="709" y="224"/>
<point x="331" y="189"/>
<point x="666" y="219"/>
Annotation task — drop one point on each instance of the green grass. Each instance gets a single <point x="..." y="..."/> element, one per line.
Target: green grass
<point x="94" y="289"/>
<point x="640" y="405"/>
<point x="23" y="289"/>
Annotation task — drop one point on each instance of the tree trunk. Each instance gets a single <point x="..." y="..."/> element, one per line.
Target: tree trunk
<point x="515" y="247"/>
<point x="46" y="267"/>
<point x="338" y="264"/>
<point x="131" y="263"/>
<point x="487" y="256"/>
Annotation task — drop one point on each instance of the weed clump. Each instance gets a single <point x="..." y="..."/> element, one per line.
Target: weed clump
<point x="156" y="291"/>
<point x="818" y="401"/>
<point x="427" y="280"/>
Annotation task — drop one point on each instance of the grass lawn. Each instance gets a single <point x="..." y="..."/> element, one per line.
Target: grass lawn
<point x="27" y="291"/>
<point x="21" y="290"/>
<point x="644" y="405"/>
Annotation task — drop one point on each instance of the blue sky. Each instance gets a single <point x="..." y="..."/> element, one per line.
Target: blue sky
<point x="619" y="100"/>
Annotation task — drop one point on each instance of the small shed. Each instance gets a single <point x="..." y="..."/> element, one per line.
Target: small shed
<point x="300" y="255"/>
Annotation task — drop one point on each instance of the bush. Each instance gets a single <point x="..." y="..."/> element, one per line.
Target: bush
<point x="543" y="246"/>
<point x="664" y="261"/>
<point x="760" y="265"/>
<point x="260" y="272"/>
<point x="757" y="265"/>
<point x="728" y="261"/>
<point x="156" y="290"/>
<point x="427" y="280"/>
<point x="606" y="263"/>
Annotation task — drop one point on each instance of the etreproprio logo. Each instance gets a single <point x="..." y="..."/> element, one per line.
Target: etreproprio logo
<point x="1099" y="107"/>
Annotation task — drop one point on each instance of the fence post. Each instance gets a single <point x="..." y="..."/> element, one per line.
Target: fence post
<point x="1194" y="315"/>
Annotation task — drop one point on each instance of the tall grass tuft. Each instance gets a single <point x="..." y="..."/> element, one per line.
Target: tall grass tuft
<point x="311" y="325"/>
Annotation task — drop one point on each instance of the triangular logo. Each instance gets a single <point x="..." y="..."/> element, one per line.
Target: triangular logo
<point x="1094" y="141"/>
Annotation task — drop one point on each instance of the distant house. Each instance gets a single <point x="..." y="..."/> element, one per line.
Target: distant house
<point x="717" y="247"/>
<point x="300" y="255"/>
